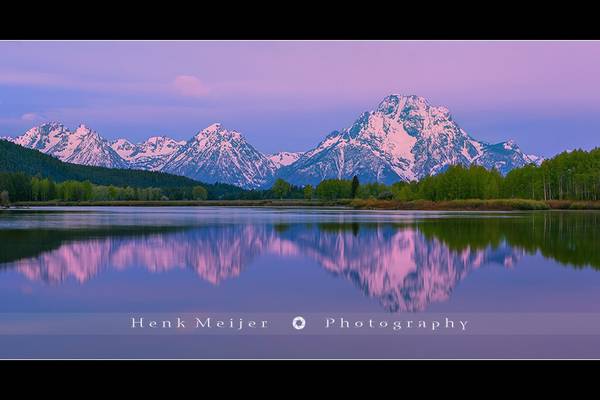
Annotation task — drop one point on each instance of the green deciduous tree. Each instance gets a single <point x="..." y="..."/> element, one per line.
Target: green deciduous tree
<point x="332" y="189"/>
<point x="199" y="193"/>
<point x="308" y="192"/>
<point x="281" y="188"/>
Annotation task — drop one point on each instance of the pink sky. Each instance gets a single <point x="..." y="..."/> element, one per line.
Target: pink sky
<point x="288" y="95"/>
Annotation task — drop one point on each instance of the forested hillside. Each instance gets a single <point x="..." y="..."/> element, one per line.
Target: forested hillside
<point x="14" y="158"/>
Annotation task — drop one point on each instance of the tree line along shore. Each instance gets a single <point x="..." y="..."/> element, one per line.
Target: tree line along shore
<point x="570" y="180"/>
<point x="358" y="204"/>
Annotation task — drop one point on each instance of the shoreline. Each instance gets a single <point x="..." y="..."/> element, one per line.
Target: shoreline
<point x="356" y="204"/>
<point x="187" y="203"/>
<point x="476" y="205"/>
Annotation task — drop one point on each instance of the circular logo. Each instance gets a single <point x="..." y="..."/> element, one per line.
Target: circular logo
<point x="299" y="323"/>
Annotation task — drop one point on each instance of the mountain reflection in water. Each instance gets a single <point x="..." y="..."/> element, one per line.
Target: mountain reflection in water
<point x="406" y="266"/>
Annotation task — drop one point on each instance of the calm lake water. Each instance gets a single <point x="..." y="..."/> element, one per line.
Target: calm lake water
<point x="113" y="262"/>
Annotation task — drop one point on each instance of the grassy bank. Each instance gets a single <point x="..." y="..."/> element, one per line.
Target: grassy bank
<point x="574" y="205"/>
<point x="360" y="204"/>
<point x="474" y="205"/>
<point x="192" y="203"/>
<point x="458" y="205"/>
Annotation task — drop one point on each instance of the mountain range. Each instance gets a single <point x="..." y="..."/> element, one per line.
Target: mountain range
<point x="403" y="138"/>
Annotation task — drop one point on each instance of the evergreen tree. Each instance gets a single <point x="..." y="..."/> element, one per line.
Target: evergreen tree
<point x="354" y="187"/>
<point x="4" y="199"/>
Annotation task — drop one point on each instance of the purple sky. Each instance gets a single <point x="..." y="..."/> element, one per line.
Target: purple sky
<point x="289" y="95"/>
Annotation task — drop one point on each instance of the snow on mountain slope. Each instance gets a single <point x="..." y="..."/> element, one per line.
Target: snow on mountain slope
<point x="43" y="137"/>
<point x="87" y="147"/>
<point x="216" y="154"/>
<point x="82" y="146"/>
<point x="284" y="158"/>
<point x="504" y="156"/>
<point x="151" y="154"/>
<point x="123" y="147"/>
<point x="213" y="155"/>
<point x="404" y="138"/>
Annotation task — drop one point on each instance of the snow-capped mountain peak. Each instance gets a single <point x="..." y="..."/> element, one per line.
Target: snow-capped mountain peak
<point x="216" y="132"/>
<point x="84" y="131"/>
<point x="392" y="104"/>
<point x="212" y="127"/>
<point x="82" y="146"/>
<point x="151" y="154"/>
<point x="216" y="154"/>
<point x="210" y="130"/>
<point x="42" y="137"/>
<point x="123" y="147"/>
<point x="535" y="159"/>
<point x="403" y="138"/>
<point x="161" y="144"/>
<point x="510" y="144"/>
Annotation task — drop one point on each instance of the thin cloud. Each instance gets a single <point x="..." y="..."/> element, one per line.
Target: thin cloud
<point x="188" y="85"/>
<point x="41" y="79"/>
<point x="31" y="117"/>
<point x="25" y="78"/>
